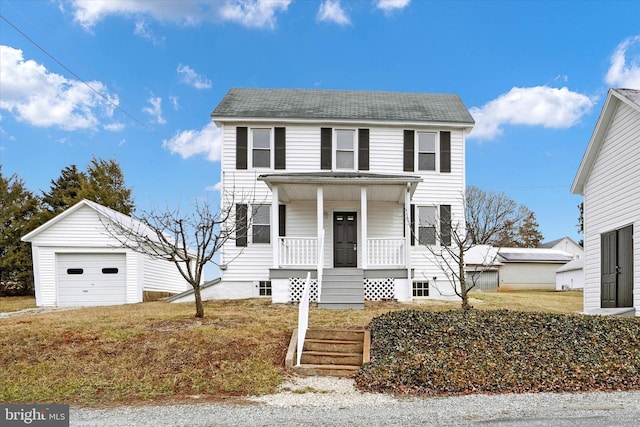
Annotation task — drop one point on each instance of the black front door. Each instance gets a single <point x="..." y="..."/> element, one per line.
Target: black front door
<point x="345" y="239"/>
<point x="616" y="284"/>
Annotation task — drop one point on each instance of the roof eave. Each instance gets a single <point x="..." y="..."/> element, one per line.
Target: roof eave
<point x="221" y="120"/>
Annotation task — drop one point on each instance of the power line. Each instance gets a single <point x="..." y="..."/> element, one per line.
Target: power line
<point x="109" y="101"/>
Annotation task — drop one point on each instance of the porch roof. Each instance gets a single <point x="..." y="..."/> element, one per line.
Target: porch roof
<point x="341" y="185"/>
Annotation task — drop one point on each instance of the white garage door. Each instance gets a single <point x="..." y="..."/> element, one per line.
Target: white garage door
<point x="91" y="279"/>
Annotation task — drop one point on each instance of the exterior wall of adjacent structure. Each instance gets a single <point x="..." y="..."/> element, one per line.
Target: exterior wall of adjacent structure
<point x="528" y="275"/>
<point x="612" y="199"/>
<point x="83" y="232"/>
<point x="244" y="267"/>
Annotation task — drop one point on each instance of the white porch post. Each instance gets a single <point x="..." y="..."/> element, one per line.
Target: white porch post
<point x="320" y="218"/>
<point x="364" y="215"/>
<point x="275" y="224"/>
<point x="407" y="232"/>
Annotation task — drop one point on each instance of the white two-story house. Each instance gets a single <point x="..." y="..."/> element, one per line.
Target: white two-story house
<point x="346" y="185"/>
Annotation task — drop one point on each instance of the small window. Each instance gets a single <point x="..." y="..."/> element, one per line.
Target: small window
<point x="426" y="151"/>
<point x="420" y="289"/>
<point x="264" y="287"/>
<point x="260" y="220"/>
<point x="427" y="220"/>
<point x="75" y="271"/>
<point x="110" y="270"/>
<point x="261" y="148"/>
<point x="345" y="149"/>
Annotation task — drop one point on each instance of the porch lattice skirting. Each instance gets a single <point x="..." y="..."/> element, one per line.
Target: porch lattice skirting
<point x="379" y="289"/>
<point x="296" y="287"/>
<point x="374" y="289"/>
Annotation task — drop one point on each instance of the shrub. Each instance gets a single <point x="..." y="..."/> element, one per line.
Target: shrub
<point x="500" y="351"/>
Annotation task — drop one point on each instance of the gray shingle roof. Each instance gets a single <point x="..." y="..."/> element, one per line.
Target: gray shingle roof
<point x="314" y="104"/>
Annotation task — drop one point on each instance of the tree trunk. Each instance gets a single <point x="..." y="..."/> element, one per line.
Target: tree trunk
<point x="464" y="291"/>
<point x="199" y="306"/>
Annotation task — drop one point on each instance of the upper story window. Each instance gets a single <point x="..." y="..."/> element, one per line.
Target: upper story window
<point x="345" y="149"/>
<point x="426" y="151"/>
<point x="261" y="148"/>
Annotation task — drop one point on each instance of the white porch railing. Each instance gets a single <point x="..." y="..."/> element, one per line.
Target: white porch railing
<point x="298" y="250"/>
<point x="386" y="252"/>
<point x="303" y="318"/>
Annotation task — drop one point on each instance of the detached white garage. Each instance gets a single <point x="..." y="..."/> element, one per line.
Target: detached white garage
<point x="78" y="263"/>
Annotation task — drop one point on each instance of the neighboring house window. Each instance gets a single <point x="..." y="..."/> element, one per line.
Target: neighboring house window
<point x="261" y="148"/>
<point x="264" y="288"/>
<point x="345" y="149"/>
<point x="261" y="230"/>
<point x="426" y="151"/>
<point x="427" y="220"/>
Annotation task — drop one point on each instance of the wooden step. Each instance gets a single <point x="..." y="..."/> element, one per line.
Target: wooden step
<point x="331" y="358"/>
<point x="326" y="370"/>
<point x="335" y="334"/>
<point x="333" y="346"/>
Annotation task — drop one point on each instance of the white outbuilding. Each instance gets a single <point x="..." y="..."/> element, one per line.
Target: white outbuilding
<point x="77" y="262"/>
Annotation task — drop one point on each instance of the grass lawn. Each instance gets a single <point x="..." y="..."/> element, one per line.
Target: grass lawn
<point x="158" y="352"/>
<point x="8" y="304"/>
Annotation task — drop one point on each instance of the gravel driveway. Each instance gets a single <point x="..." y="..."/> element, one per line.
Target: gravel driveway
<point x="318" y="401"/>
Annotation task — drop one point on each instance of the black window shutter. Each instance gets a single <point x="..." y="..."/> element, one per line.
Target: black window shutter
<point x="409" y="156"/>
<point x="282" y="220"/>
<point x="363" y="149"/>
<point x="241" y="147"/>
<point x="325" y="148"/>
<point x="445" y="225"/>
<point x="412" y="213"/>
<point x="241" y="224"/>
<point x="445" y="151"/>
<point x="280" y="141"/>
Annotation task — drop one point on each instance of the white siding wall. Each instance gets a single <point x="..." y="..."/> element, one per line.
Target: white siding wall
<point x="385" y="220"/>
<point x="520" y="275"/>
<point x="163" y="276"/>
<point x="613" y="186"/>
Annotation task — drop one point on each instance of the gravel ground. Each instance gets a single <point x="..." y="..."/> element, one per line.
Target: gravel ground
<point x="319" y="401"/>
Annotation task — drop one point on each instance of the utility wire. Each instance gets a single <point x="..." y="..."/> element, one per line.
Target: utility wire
<point x="117" y="106"/>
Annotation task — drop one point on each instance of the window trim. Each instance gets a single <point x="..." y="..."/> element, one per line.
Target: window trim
<point x="435" y="226"/>
<point x="251" y="148"/>
<point x="436" y="152"/>
<point x="354" y="149"/>
<point x="254" y="210"/>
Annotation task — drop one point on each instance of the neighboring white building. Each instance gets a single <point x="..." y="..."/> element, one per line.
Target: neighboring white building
<point x="76" y="262"/>
<point x="332" y="183"/>
<point x="530" y="268"/>
<point x="566" y="244"/>
<point x="570" y="276"/>
<point x="609" y="180"/>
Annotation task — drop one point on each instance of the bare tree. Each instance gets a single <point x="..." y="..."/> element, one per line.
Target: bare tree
<point x="449" y="244"/>
<point x="189" y="241"/>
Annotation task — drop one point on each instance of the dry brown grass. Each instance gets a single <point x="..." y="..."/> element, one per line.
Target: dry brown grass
<point x="158" y="352"/>
<point x="9" y="304"/>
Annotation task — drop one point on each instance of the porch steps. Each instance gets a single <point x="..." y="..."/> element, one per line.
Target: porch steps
<point x="342" y="288"/>
<point x="330" y="352"/>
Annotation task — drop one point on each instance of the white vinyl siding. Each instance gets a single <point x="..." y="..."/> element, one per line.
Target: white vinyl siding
<point x="613" y="186"/>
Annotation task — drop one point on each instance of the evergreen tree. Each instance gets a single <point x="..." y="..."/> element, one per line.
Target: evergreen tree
<point x="105" y="185"/>
<point x="19" y="213"/>
<point x="65" y="191"/>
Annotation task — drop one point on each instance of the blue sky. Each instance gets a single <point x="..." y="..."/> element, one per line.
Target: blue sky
<point x="136" y="81"/>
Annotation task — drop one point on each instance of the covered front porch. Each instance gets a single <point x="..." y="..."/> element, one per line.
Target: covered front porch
<point x="348" y="225"/>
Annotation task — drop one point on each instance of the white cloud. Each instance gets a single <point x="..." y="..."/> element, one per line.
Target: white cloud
<point x="217" y="187"/>
<point x="389" y="5"/>
<point x="190" y="77"/>
<point x="41" y="98"/>
<point x="253" y="13"/>
<point x="331" y="11"/>
<point x="532" y="106"/>
<point x="624" y="71"/>
<point x="143" y="30"/>
<point x="155" y="110"/>
<point x="250" y="13"/>
<point x="188" y="143"/>
<point x="175" y="102"/>
<point x="114" y="127"/>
